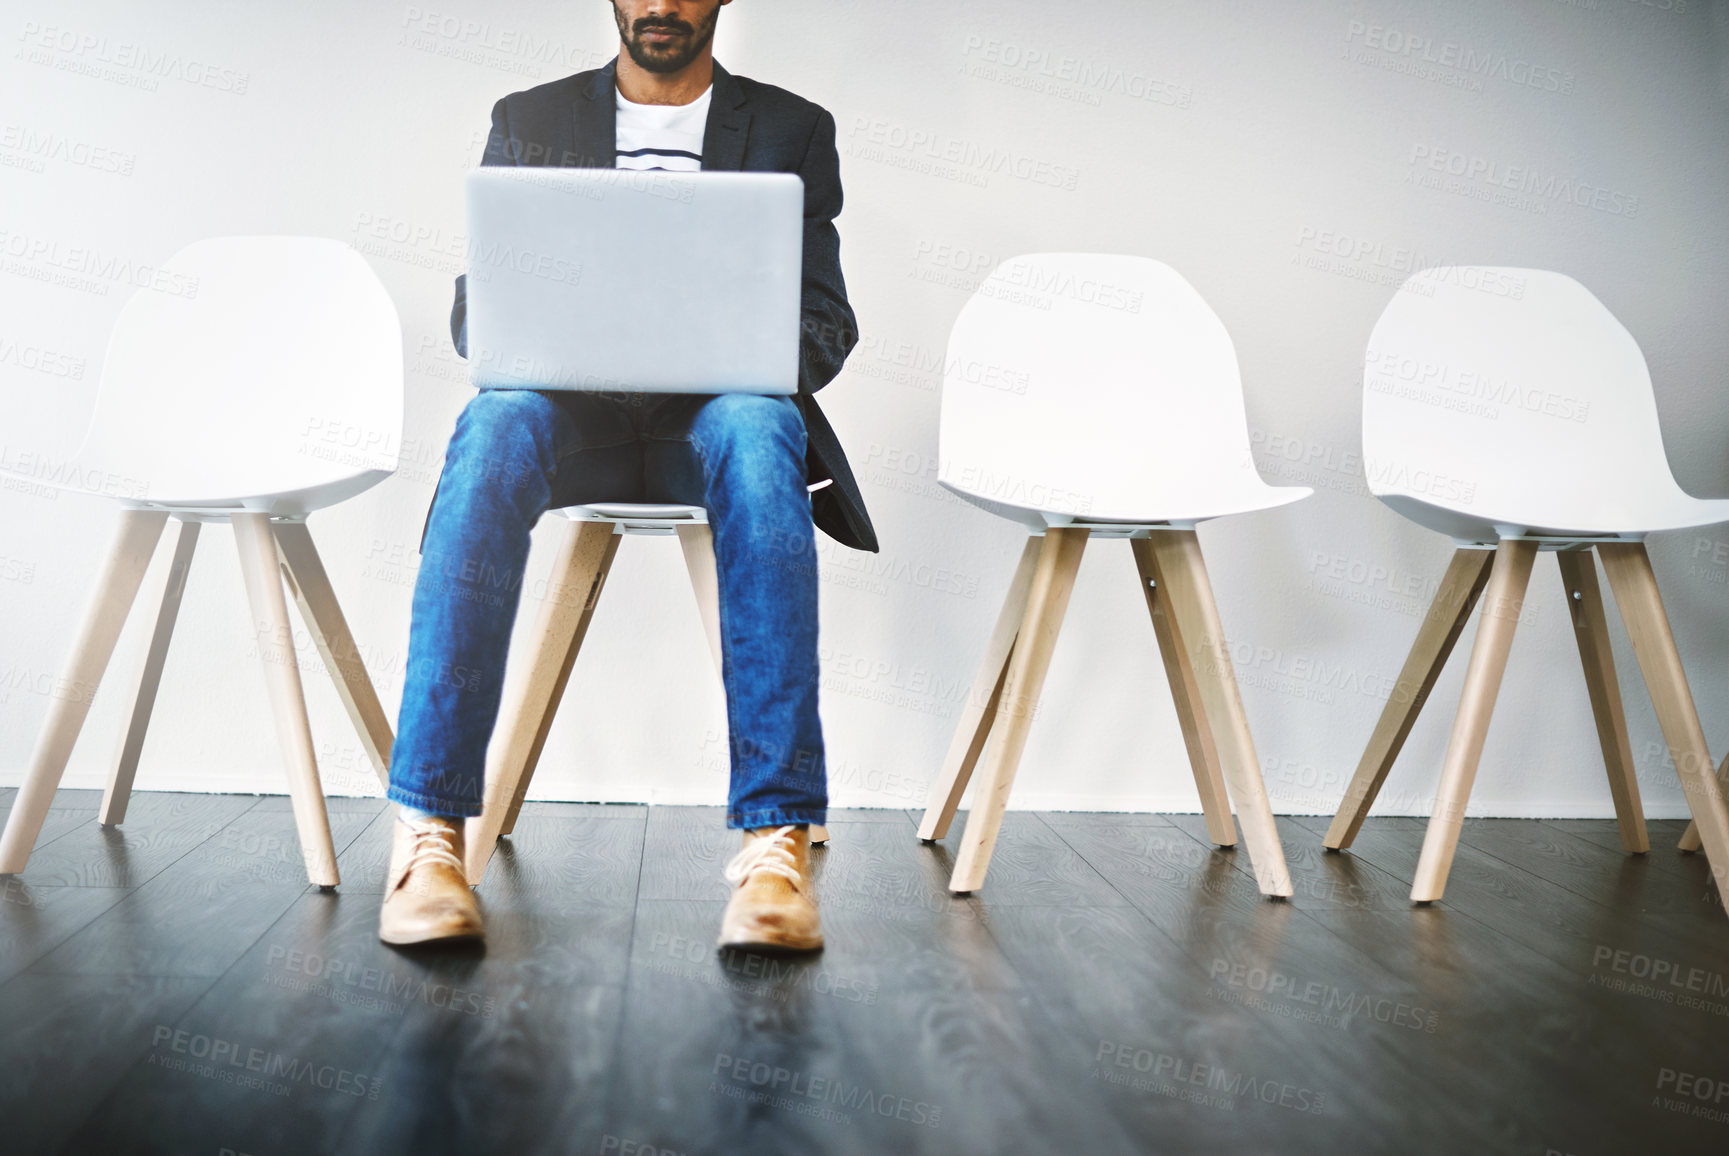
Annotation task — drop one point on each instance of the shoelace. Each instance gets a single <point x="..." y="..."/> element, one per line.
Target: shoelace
<point x="771" y="853"/>
<point x="433" y="843"/>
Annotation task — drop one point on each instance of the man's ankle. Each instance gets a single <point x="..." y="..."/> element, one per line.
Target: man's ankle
<point x="416" y="815"/>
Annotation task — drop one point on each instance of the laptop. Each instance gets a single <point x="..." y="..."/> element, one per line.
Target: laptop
<point x="622" y="280"/>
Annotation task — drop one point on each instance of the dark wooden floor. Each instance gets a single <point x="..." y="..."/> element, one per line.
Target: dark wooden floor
<point x="174" y="986"/>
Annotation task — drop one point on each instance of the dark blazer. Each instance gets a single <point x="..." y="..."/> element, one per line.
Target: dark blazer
<point x="754" y="127"/>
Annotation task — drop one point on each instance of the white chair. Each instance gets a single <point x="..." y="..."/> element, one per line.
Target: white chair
<point x="270" y="389"/>
<point x="1510" y="410"/>
<point x="1091" y="395"/>
<point x="586" y="546"/>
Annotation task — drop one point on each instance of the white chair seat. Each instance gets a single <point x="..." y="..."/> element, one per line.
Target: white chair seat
<point x="1099" y="387"/>
<point x="206" y="406"/>
<point x="1489" y="415"/>
<point x="207" y="507"/>
<point x="284" y="504"/>
<point x="637" y="517"/>
<point x="1248" y="499"/>
<point x="1485" y="528"/>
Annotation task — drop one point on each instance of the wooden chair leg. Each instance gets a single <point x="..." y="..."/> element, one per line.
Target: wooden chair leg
<point x="1186" y="694"/>
<point x="530" y="700"/>
<point x="147" y="676"/>
<point x="1187" y="592"/>
<point x="1048" y="599"/>
<point x="571" y="587"/>
<point x="129" y="554"/>
<point x="1503" y="599"/>
<point x="1591" y="630"/>
<point x="321" y="612"/>
<point x="1454" y="600"/>
<point x="1628" y="567"/>
<point x="697" y="541"/>
<point x="1690" y="837"/>
<point x="275" y="639"/>
<point x="980" y="710"/>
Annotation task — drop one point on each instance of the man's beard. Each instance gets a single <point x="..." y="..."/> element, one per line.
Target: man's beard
<point x="673" y="57"/>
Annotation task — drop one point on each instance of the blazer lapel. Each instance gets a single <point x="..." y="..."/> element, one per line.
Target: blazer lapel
<point x="595" y="113"/>
<point x="728" y="127"/>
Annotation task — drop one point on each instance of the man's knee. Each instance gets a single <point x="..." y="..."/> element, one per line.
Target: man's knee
<point x="504" y="434"/>
<point x="763" y="432"/>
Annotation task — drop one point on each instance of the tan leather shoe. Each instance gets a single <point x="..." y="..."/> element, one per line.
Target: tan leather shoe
<point x="426" y="895"/>
<point x="774" y="907"/>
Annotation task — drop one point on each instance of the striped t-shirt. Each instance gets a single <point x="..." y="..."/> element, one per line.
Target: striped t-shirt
<point x="662" y="136"/>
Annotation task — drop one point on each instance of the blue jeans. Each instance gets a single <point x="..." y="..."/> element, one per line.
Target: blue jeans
<point x="516" y="454"/>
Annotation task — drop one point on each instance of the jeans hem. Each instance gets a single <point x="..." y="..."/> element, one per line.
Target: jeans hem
<point x="433" y="805"/>
<point x="751" y="820"/>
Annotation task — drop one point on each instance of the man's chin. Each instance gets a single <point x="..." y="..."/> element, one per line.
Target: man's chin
<point x="661" y="59"/>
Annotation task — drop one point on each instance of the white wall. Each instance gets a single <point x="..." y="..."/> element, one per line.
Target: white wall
<point x="1254" y="145"/>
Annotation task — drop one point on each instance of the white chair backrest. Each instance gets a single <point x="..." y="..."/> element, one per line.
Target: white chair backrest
<point x="276" y="366"/>
<point x="1099" y="385"/>
<point x="1513" y="396"/>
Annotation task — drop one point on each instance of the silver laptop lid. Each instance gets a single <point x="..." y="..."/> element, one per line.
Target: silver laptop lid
<point x="638" y="281"/>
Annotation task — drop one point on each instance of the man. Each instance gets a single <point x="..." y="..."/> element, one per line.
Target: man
<point x="764" y="466"/>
